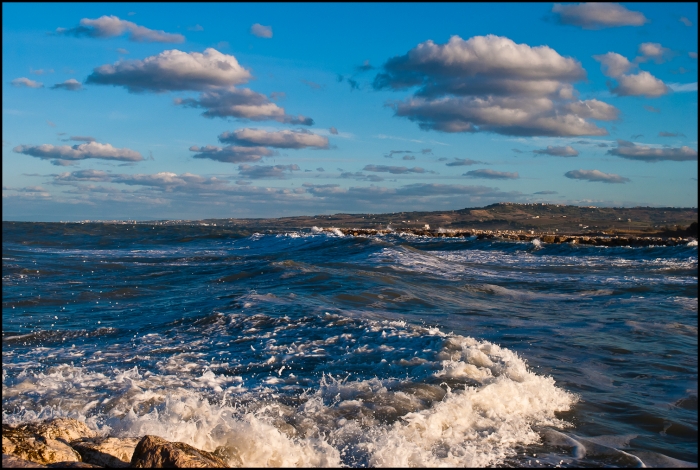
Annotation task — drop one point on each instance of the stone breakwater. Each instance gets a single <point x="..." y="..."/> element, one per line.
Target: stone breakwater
<point x="596" y="240"/>
<point x="67" y="443"/>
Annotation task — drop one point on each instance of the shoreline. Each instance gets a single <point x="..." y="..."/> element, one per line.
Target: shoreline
<point x="519" y="235"/>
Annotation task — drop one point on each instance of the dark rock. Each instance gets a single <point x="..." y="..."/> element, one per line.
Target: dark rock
<point x="72" y="465"/>
<point x="156" y="452"/>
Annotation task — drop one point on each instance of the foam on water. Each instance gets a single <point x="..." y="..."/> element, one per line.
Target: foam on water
<point x="460" y="402"/>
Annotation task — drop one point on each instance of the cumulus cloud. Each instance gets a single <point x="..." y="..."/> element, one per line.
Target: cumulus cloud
<point x="261" y="31"/>
<point x="241" y="103"/>
<point x="196" y="27"/>
<point x="112" y="26"/>
<point x="490" y="83"/>
<point x="396" y="170"/>
<point x="173" y="70"/>
<point x="122" y="51"/>
<point x="685" y="21"/>
<point x="652" y="109"/>
<point x="333" y="131"/>
<point x="313" y="85"/>
<point x="598" y="15"/>
<point x="640" y="84"/>
<point x="613" y="64"/>
<point x="25" y="82"/>
<point x="269" y="172"/>
<point x="567" y="151"/>
<point x="463" y="162"/>
<point x="596" y="176"/>
<point x="492" y="174"/>
<point x="645" y="153"/>
<point x="70" y="85"/>
<point x="655" y="52"/>
<point x="408" y="157"/>
<point x="359" y="176"/>
<point x="82" y="138"/>
<point x="231" y="153"/>
<point x="693" y="55"/>
<point x="65" y="153"/>
<point x="168" y="180"/>
<point x="285" y="139"/>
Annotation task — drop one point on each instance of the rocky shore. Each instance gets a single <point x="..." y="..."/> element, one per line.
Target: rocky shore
<point x="68" y="443"/>
<point x="527" y="236"/>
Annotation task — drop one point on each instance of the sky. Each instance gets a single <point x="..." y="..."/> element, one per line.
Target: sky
<point x="191" y="111"/>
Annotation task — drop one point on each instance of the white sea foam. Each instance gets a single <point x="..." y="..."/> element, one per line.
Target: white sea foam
<point x="380" y="422"/>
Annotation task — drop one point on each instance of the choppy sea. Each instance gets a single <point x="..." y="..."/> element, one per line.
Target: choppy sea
<point x="316" y="349"/>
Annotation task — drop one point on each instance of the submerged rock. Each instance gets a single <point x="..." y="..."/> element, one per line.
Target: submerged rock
<point x="156" y="452"/>
<point x="22" y="443"/>
<point x="112" y="452"/>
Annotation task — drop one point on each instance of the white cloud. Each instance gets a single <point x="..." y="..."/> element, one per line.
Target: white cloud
<point x="640" y="84"/>
<point x="112" y="26"/>
<point x="564" y="151"/>
<point x="173" y="70"/>
<point x="70" y="85"/>
<point x="595" y="176"/>
<point x="261" y="31"/>
<point x="655" y="52"/>
<point x="685" y="21"/>
<point x="278" y="139"/>
<point x="232" y="154"/>
<point x="25" y="82"/>
<point x="490" y="83"/>
<point x="79" y="152"/>
<point x="241" y="103"/>
<point x="614" y="64"/>
<point x="598" y="15"/>
<point x="632" y="151"/>
<point x="492" y="174"/>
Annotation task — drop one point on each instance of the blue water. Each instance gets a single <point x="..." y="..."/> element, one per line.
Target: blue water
<point x="310" y="348"/>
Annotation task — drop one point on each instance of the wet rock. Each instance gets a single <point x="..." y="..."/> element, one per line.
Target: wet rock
<point x="155" y="452"/>
<point x="10" y="461"/>
<point x="112" y="452"/>
<point x="22" y="443"/>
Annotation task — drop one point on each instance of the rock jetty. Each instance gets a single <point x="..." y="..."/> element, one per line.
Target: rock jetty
<point x="596" y="240"/>
<point x="68" y="443"/>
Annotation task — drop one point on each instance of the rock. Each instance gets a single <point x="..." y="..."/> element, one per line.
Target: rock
<point x="27" y="445"/>
<point x="63" y="429"/>
<point x="549" y="239"/>
<point x="10" y="461"/>
<point x="156" y="452"/>
<point x="112" y="452"/>
<point x="72" y="465"/>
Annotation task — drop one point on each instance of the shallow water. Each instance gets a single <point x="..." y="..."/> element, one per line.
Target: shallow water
<point x="314" y="349"/>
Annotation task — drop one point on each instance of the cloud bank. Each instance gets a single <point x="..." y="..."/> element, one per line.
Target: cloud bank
<point x="64" y="153"/>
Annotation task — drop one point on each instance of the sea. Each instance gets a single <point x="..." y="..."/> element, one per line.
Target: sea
<point x="313" y="348"/>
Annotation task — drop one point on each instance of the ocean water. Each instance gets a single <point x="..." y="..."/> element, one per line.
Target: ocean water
<point x="316" y="349"/>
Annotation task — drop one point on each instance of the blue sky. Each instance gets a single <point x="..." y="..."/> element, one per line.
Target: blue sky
<point x="142" y="111"/>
